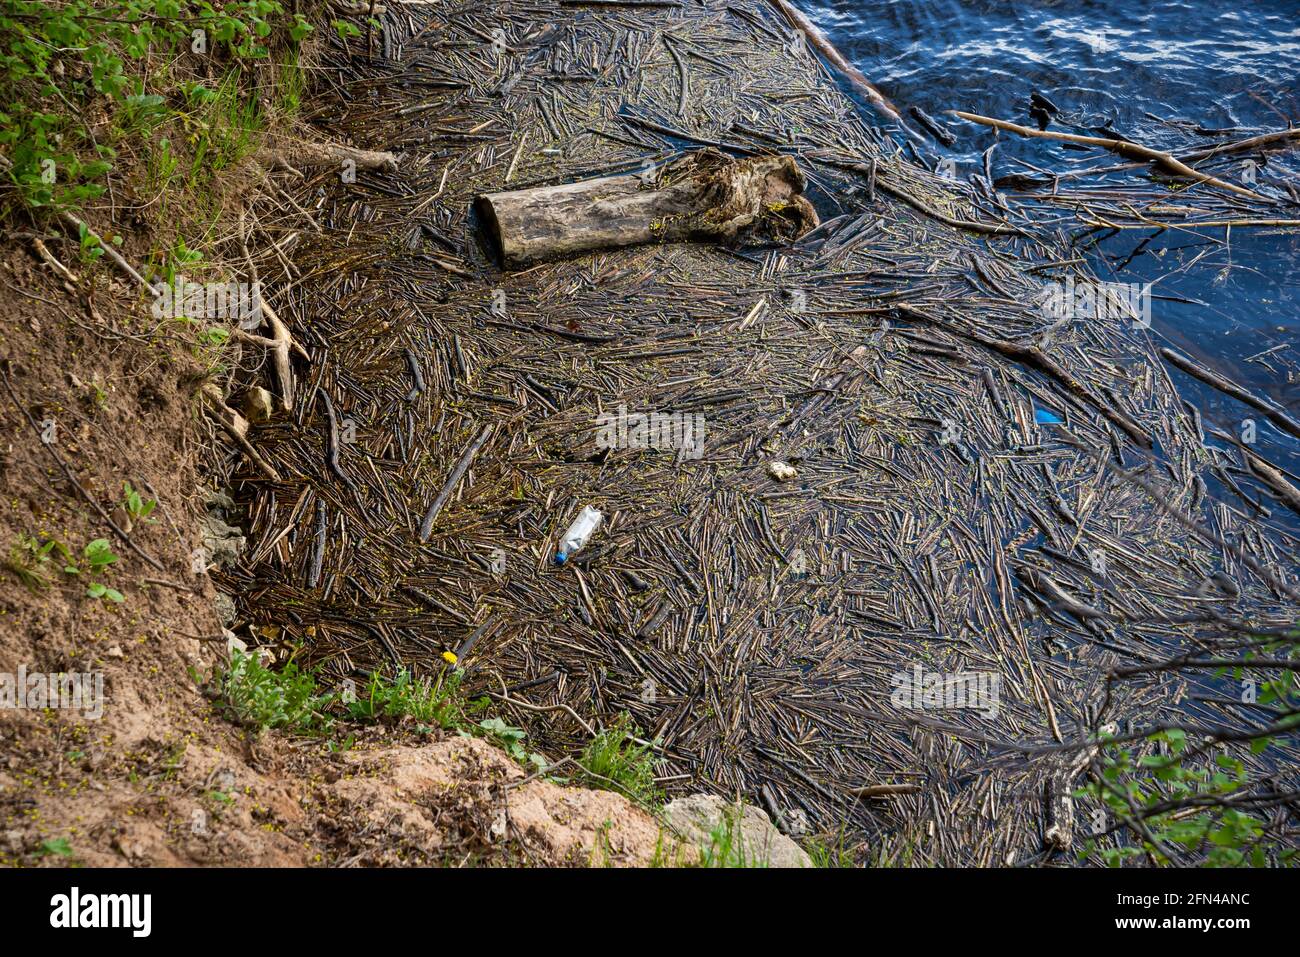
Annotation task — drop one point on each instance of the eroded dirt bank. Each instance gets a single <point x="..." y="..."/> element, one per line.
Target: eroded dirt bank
<point x="99" y="391"/>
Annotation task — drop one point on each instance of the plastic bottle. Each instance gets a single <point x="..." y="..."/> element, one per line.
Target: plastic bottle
<point x="579" y="532"/>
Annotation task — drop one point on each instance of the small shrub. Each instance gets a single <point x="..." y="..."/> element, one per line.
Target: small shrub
<point x="138" y="508"/>
<point x="431" y="702"/>
<point x="511" y="739"/>
<point x="288" y="699"/>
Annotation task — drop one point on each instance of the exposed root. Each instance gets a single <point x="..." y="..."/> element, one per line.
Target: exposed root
<point x="281" y="341"/>
<point x="236" y="426"/>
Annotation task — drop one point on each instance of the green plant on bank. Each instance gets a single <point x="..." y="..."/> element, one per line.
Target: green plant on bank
<point x="257" y="696"/>
<point x="138" y="508"/>
<point x="290" y="699"/>
<point x="62" y="61"/>
<point x="430" y="702"/>
<point x="226" y="127"/>
<point x="830" y="851"/>
<point x="614" y="758"/>
<point x="174" y="261"/>
<point x="726" y="847"/>
<point x="511" y="740"/>
<point x="57" y="846"/>
<point x="345" y="29"/>
<point x="96" y="558"/>
<point x="29" y="558"/>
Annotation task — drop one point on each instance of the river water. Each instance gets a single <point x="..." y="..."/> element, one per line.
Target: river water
<point x="1129" y="64"/>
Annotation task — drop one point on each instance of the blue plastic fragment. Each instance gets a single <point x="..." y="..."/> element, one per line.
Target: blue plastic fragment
<point x="561" y="558"/>
<point x="1044" y="417"/>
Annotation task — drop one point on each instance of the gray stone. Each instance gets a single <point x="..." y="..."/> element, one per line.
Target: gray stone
<point x="755" y="839"/>
<point x="226" y="610"/>
<point x="222" y="542"/>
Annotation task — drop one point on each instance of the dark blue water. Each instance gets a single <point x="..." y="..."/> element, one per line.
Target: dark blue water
<point x="1127" y="64"/>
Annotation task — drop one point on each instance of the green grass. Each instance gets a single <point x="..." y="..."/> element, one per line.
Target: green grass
<point x="613" y="759"/>
<point x="292" y="700"/>
<point x="29" y="560"/>
<point x="429" y="702"/>
<point x="230" y="127"/>
<point x="829" y="851"/>
<point x="726" y="848"/>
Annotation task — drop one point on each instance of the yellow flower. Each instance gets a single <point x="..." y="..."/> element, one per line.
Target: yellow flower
<point x="449" y="657"/>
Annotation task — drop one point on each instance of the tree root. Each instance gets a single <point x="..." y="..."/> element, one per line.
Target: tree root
<point x="280" y="344"/>
<point x="236" y="426"/>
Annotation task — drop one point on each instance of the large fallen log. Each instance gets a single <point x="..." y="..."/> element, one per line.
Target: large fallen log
<point x="702" y="196"/>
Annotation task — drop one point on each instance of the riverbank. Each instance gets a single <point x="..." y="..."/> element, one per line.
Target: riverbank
<point x="955" y="462"/>
<point x="126" y="736"/>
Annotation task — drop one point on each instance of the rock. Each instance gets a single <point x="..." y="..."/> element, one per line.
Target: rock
<point x="122" y="519"/>
<point x="697" y="816"/>
<point x="222" y="542"/>
<point x="217" y="499"/>
<point x="234" y="643"/>
<point x="226" y="610"/>
<point x="257" y="405"/>
<point x="781" y="471"/>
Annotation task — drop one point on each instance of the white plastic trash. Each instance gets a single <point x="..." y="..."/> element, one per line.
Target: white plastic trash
<point x="583" y="527"/>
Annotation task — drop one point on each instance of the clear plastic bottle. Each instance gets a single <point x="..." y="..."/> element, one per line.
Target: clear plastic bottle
<point x="579" y="532"/>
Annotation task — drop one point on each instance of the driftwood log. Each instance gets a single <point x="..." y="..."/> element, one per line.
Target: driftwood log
<point x="702" y="196"/>
<point x="292" y="154"/>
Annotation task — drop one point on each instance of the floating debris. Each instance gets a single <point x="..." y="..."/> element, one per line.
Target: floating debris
<point x="578" y="534"/>
<point x="754" y="632"/>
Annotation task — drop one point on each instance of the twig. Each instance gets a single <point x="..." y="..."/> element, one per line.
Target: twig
<point x="1123" y="147"/>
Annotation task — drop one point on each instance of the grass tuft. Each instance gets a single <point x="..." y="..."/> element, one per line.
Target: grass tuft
<point x="614" y="757"/>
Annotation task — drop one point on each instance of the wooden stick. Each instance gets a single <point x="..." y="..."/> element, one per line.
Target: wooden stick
<point x="1272" y="411"/>
<point x="236" y="427"/>
<point x="1035" y="358"/>
<point x="1122" y="147"/>
<point x="426" y="527"/>
<point x="827" y="49"/>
